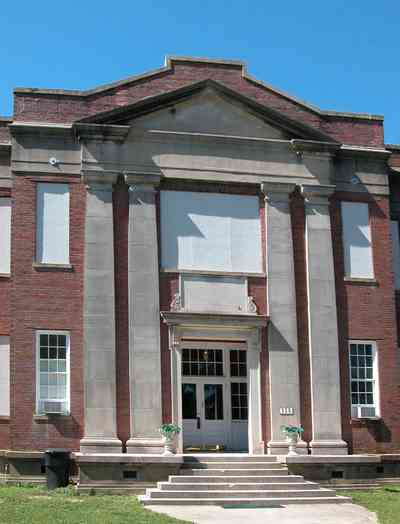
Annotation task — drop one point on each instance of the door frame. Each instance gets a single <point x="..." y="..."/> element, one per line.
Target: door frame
<point x="179" y="335"/>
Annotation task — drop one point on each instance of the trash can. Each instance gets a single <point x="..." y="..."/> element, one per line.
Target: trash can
<point x="57" y="462"/>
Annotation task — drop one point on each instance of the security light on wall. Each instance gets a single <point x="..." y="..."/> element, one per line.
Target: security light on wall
<point x="53" y="161"/>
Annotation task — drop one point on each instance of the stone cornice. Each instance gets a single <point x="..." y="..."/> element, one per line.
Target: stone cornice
<point x="36" y="128"/>
<point x="348" y="151"/>
<point x="314" y="146"/>
<point x="272" y="188"/>
<point x="317" y="194"/>
<point x="174" y="318"/>
<point x="133" y="180"/>
<point x="103" y="132"/>
<point x="103" y="179"/>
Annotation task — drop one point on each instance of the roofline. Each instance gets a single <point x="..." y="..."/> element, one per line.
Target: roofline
<point x="6" y="119"/>
<point x="169" y="65"/>
<point x="393" y="147"/>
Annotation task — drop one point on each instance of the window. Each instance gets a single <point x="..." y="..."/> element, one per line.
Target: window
<point x="210" y="231"/>
<point x="202" y="363"/>
<point x="4" y="376"/>
<point x="238" y="362"/>
<point x="52" y="384"/>
<point x="52" y="227"/>
<point x="5" y="236"/>
<point x="394" y="230"/>
<point x="357" y="240"/>
<point x="363" y="379"/>
<point x="239" y="400"/>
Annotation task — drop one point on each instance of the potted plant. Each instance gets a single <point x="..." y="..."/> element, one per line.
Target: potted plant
<point x="169" y="433"/>
<point x="293" y="434"/>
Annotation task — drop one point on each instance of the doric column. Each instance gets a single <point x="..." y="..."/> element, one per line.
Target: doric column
<point x="144" y="317"/>
<point x="282" y="328"/>
<point x="99" y="318"/>
<point x="322" y="321"/>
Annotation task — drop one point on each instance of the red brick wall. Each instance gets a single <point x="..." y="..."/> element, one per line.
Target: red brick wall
<point x="367" y="311"/>
<point x="44" y="300"/>
<point x="67" y="108"/>
<point x="121" y="222"/>
<point x="300" y="270"/>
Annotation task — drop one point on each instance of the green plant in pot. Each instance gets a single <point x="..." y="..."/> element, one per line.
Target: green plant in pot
<point x="293" y="433"/>
<point x="169" y="433"/>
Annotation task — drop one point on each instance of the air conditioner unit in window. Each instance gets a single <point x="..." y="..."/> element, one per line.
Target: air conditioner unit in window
<point x="53" y="406"/>
<point x="363" y="411"/>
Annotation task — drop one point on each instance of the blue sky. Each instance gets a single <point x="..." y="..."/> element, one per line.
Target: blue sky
<point x="341" y="55"/>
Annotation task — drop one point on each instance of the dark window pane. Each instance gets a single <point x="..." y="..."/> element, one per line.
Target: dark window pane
<point x="233" y="355"/>
<point x="242" y="356"/>
<point x="361" y="373"/>
<point x="189" y="408"/>
<point x="244" y="401"/>
<point x="62" y="353"/>
<point x="244" y="413"/>
<point x="185" y="369"/>
<point x="353" y="349"/>
<point x="213" y="403"/>
<point x="361" y="350"/>
<point x="62" y="340"/>
<point x="354" y="398"/>
<point x="185" y="355"/>
<point x="211" y="370"/>
<point x="353" y="361"/>
<point x="235" y="413"/>
<point x="219" y="370"/>
<point x="354" y="373"/>
<point x="235" y="401"/>
<point x="53" y="353"/>
<point x="242" y="370"/>
<point x="369" y="372"/>
<point x="53" y="340"/>
<point x="194" y="369"/>
<point x="369" y="387"/>
<point x="235" y="388"/>
<point x="361" y="387"/>
<point x="218" y="355"/>
<point x="44" y="352"/>
<point x="202" y="369"/>
<point x="368" y="361"/>
<point x="353" y="387"/>
<point x="220" y="405"/>
<point x="243" y="388"/>
<point x="363" y="398"/>
<point x="368" y="349"/>
<point x="44" y="340"/>
<point x="370" y="398"/>
<point x="361" y="361"/>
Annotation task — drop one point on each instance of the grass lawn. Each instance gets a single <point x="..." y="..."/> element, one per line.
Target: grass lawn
<point x="35" y="505"/>
<point x="385" y="502"/>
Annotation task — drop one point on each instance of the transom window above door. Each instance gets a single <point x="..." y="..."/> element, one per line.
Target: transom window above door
<point x="202" y="363"/>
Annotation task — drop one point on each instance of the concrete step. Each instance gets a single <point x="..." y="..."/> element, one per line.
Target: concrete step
<point x="195" y="479"/>
<point x="233" y="494"/>
<point x="226" y="457"/>
<point x="244" y="502"/>
<point x="235" y="472"/>
<point x="225" y="486"/>
<point x="232" y="465"/>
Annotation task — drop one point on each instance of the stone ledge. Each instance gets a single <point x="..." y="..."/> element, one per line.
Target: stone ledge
<point x="24" y="454"/>
<point x="332" y="459"/>
<point x="127" y="458"/>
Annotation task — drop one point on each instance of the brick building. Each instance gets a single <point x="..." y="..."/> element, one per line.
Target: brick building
<point x="193" y="245"/>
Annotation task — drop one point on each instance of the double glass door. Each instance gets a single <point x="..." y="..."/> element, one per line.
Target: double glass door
<point x="214" y="399"/>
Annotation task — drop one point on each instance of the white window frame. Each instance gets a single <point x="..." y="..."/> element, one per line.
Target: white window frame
<point x="68" y="368"/>
<point x="375" y="378"/>
<point x="6" y="238"/>
<point x="347" y="257"/>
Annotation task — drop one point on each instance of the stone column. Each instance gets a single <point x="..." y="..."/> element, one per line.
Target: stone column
<point x="322" y="321"/>
<point x="282" y="328"/>
<point x="144" y="317"/>
<point x="99" y="318"/>
<point x="256" y="443"/>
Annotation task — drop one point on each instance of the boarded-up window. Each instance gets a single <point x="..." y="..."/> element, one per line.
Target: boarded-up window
<point x="394" y="229"/>
<point x="212" y="232"/>
<point x="52" y="231"/>
<point x="357" y="240"/>
<point x="5" y="235"/>
<point x="4" y="376"/>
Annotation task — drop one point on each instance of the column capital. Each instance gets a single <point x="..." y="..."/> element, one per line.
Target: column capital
<point x="99" y="180"/>
<point x="142" y="182"/>
<point x="277" y="191"/>
<point x="317" y="194"/>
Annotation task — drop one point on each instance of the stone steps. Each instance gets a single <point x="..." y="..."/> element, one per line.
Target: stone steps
<point x="250" y="481"/>
<point x="226" y="457"/>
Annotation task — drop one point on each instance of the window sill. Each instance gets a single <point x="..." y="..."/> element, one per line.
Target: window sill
<point x="364" y="421"/>
<point x="49" y="417"/>
<point x="4" y="419"/>
<point x="38" y="266"/>
<point x="5" y="275"/>
<point x="362" y="281"/>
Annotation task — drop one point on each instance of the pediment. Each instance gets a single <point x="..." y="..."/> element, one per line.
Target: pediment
<point x="209" y="107"/>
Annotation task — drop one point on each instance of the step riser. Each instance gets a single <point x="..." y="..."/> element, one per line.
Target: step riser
<point x="234" y="473"/>
<point x="231" y="494"/>
<point x="229" y="487"/>
<point x="232" y="465"/>
<point x="261" y="503"/>
<point x="221" y="458"/>
<point x="196" y="479"/>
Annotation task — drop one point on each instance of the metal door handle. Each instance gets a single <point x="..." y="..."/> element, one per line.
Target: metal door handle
<point x="198" y="422"/>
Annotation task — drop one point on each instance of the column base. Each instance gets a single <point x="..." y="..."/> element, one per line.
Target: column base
<point x="281" y="447"/>
<point x="100" y="445"/>
<point x="145" y="445"/>
<point x="328" y="447"/>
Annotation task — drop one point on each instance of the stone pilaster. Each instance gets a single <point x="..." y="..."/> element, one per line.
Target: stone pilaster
<point x="323" y="329"/>
<point x="282" y="328"/>
<point x="100" y="434"/>
<point x="144" y="317"/>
